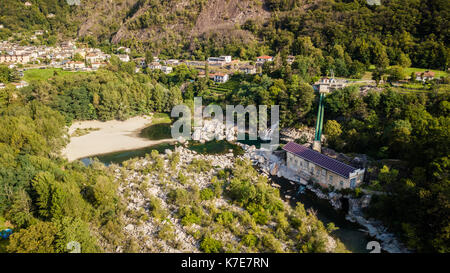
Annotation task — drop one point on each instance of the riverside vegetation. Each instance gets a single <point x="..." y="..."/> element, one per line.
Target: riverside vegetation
<point x="50" y="201"/>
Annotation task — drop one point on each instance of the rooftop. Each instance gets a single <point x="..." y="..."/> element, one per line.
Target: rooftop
<point x="317" y="158"/>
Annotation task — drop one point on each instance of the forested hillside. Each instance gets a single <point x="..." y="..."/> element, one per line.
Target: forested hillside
<point x="402" y="32"/>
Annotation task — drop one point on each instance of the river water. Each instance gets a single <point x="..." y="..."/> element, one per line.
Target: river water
<point x="350" y="234"/>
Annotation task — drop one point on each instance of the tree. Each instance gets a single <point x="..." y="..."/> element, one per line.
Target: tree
<point x="38" y="238"/>
<point x="333" y="130"/>
<point x="396" y="73"/>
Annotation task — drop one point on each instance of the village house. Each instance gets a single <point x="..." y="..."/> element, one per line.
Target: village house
<point x="74" y="65"/>
<point x="172" y="62"/>
<point x="39" y="32"/>
<point x="221" y="59"/>
<point x="123" y="49"/>
<point x="28" y="4"/>
<point x="97" y="65"/>
<point x="263" y="59"/>
<point x="290" y="59"/>
<point x="94" y="58"/>
<point x="20" y="84"/>
<point x="67" y="44"/>
<point x="424" y="76"/>
<point x="166" y="69"/>
<point x="2" y="85"/>
<point x="50" y="15"/>
<point x="154" y="65"/>
<point x="124" y="58"/>
<point x="313" y="166"/>
<point x="1" y="26"/>
<point x="140" y="62"/>
<point x="248" y="69"/>
<point x="16" y="59"/>
<point x="220" y="77"/>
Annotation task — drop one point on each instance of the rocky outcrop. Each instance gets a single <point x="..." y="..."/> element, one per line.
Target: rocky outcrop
<point x="272" y="164"/>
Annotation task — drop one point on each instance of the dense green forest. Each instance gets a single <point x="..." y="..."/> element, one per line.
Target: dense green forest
<point x="344" y="35"/>
<point x="413" y="128"/>
<point x="52" y="201"/>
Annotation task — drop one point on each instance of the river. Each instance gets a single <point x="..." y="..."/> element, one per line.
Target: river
<point x="350" y="234"/>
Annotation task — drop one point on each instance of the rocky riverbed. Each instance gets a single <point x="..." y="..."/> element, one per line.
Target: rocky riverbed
<point x="273" y="163"/>
<point x="147" y="186"/>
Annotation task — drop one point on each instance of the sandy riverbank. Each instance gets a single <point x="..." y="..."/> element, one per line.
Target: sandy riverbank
<point x="112" y="136"/>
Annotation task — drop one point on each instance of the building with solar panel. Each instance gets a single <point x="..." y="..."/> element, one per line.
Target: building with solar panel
<point x="319" y="168"/>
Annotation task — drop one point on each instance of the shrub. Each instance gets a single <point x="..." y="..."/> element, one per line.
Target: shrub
<point x="225" y="218"/>
<point x="250" y="240"/>
<point x="167" y="232"/>
<point x="271" y="243"/>
<point x="206" y="194"/>
<point x="190" y="216"/>
<point x="156" y="208"/>
<point x="179" y="197"/>
<point x="210" y="245"/>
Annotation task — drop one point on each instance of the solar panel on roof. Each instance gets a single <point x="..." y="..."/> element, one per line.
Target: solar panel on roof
<point x="320" y="159"/>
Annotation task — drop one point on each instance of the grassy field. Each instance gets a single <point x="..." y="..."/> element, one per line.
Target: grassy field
<point x="45" y="74"/>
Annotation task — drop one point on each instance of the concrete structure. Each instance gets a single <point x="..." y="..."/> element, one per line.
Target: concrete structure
<point x="326" y="85"/>
<point x="318" y="168"/>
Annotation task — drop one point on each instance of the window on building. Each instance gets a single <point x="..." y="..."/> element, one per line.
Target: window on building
<point x="341" y="183"/>
<point x="324" y="173"/>
<point x="331" y="178"/>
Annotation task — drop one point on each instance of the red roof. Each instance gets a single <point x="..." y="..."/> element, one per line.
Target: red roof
<point x="265" y="57"/>
<point x="426" y="73"/>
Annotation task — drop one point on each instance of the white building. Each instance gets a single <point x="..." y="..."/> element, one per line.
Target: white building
<point x="124" y="49"/>
<point x="124" y="58"/>
<point x="263" y="59"/>
<point x="221" y="77"/>
<point x="166" y="69"/>
<point x="74" y="65"/>
<point x="97" y="65"/>
<point x="424" y="76"/>
<point x="21" y="59"/>
<point x="248" y="69"/>
<point x="141" y="62"/>
<point x="154" y="65"/>
<point x="318" y="168"/>
<point x="172" y="62"/>
<point x="20" y="84"/>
